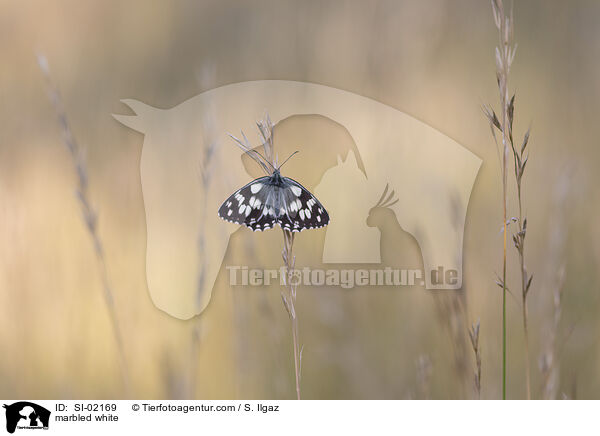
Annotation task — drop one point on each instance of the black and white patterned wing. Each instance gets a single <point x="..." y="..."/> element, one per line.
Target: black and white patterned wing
<point x="251" y="205"/>
<point x="302" y="209"/>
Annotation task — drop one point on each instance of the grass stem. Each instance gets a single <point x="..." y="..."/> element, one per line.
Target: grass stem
<point x="289" y="301"/>
<point x="505" y="52"/>
<point x="89" y="215"/>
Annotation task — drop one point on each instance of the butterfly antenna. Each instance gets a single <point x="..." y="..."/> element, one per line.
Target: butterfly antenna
<point x="245" y="146"/>
<point x="265" y="159"/>
<point x="250" y="150"/>
<point x="297" y="151"/>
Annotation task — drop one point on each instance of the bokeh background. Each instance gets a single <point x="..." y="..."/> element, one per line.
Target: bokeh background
<point x="433" y="60"/>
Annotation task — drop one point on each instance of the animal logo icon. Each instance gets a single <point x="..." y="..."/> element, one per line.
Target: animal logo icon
<point x="26" y="415"/>
<point x="189" y="165"/>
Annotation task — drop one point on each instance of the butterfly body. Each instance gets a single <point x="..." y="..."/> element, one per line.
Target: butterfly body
<point x="274" y="200"/>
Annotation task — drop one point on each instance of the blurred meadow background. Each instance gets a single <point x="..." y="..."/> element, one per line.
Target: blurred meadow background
<point x="433" y="60"/>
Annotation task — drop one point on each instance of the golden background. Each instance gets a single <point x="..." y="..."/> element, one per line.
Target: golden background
<point x="433" y="60"/>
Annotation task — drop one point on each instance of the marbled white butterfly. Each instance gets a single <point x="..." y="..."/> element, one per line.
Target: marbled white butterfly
<point x="274" y="200"/>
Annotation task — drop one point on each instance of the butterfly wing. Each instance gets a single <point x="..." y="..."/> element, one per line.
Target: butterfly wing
<point x="260" y="205"/>
<point x="301" y="209"/>
<point x="251" y="205"/>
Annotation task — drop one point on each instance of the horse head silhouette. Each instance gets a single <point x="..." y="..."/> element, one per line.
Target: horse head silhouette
<point x="188" y="166"/>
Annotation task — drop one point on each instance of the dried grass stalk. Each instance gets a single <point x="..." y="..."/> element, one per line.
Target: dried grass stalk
<point x="289" y="301"/>
<point x="424" y="372"/>
<point x="549" y="362"/>
<point x="474" y="335"/>
<point x="268" y="162"/>
<point x="89" y="215"/>
<point x="505" y="53"/>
